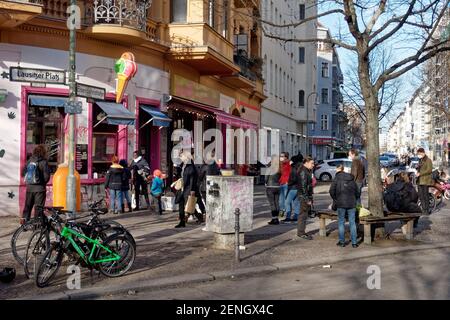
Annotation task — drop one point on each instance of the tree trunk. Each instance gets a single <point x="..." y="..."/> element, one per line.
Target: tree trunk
<point x="373" y="153"/>
<point x="372" y="109"/>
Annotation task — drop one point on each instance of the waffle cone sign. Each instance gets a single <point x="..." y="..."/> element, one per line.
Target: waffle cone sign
<point x="125" y="68"/>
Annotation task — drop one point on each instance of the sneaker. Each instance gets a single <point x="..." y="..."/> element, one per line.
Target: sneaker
<point x="286" y="220"/>
<point x="306" y="237"/>
<point x="355" y="245"/>
<point x="294" y="220"/>
<point x="340" y="244"/>
<point x="274" y="221"/>
<point x="180" y="225"/>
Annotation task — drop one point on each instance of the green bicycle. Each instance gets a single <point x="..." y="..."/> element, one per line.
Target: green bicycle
<point x="112" y="256"/>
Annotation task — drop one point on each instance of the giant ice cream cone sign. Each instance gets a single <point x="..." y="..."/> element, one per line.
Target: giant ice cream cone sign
<point x="125" y="68"/>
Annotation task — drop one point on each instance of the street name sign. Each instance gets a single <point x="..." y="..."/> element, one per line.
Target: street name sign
<point x="91" y="92"/>
<point x="73" y="107"/>
<point x="18" y="74"/>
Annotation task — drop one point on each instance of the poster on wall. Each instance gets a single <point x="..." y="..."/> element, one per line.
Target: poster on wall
<point x="163" y="150"/>
<point x="110" y="145"/>
<point x="81" y="164"/>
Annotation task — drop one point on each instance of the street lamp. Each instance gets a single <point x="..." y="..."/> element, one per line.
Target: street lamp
<point x="307" y="120"/>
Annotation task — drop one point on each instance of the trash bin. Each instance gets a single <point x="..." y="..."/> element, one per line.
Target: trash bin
<point x="60" y="187"/>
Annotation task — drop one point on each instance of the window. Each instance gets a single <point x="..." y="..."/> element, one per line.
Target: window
<point x="271" y="77"/>
<point x="211" y="13"/>
<point x="302" y="11"/>
<point x="324" y="122"/>
<point x="301" y="55"/>
<point x="241" y="44"/>
<point x="325" y="73"/>
<point x="325" y="95"/>
<point x="104" y="142"/>
<point x="46" y="126"/>
<point x="178" y="11"/>
<point x="301" y="98"/>
<point x="279" y="85"/>
<point x="276" y="81"/>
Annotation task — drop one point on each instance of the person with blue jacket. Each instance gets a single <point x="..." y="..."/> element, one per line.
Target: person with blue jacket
<point x="157" y="188"/>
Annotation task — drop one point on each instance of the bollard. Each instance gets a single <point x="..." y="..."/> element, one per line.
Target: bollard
<point x="236" y="230"/>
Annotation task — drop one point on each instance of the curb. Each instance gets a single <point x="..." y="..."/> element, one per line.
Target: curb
<point x="148" y="285"/>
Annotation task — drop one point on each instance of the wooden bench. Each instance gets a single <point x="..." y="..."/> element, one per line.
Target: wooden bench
<point x="368" y="221"/>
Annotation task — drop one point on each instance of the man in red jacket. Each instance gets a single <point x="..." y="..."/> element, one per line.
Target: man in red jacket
<point x="284" y="179"/>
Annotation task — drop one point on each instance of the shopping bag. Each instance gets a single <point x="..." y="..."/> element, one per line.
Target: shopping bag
<point x="363" y="212"/>
<point x="190" y="205"/>
<point x="177" y="185"/>
<point x="133" y="201"/>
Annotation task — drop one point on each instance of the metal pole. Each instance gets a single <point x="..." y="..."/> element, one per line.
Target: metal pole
<point x="71" y="189"/>
<point x="236" y="229"/>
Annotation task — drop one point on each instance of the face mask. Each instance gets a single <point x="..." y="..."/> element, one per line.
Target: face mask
<point x="420" y="156"/>
<point x="282" y="158"/>
<point x="350" y="158"/>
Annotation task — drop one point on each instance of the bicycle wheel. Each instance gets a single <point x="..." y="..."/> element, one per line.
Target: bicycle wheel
<point x="121" y="245"/>
<point x="19" y="239"/>
<point x="48" y="265"/>
<point x="38" y="244"/>
<point x="433" y="202"/>
<point x="447" y="194"/>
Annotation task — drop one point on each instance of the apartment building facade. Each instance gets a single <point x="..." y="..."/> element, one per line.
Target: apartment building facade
<point x="198" y="60"/>
<point x="289" y="73"/>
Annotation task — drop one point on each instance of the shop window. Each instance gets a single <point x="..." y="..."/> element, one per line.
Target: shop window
<point x="104" y="143"/>
<point x="46" y="126"/>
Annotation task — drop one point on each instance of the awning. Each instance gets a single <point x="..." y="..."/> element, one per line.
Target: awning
<point x="221" y="116"/>
<point x="116" y="114"/>
<point x="47" y="101"/>
<point x="159" y="118"/>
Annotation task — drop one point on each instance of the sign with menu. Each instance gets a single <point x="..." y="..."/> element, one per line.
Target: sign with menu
<point x="81" y="164"/>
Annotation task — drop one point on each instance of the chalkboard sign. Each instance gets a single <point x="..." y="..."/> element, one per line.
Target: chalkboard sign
<point x="81" y="164"/>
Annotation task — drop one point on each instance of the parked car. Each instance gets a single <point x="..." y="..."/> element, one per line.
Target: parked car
<point x="338" y="155"/>
<point x="326" y="171"/>
<point x="414" y="162"/>
<point x="385" y="161"/>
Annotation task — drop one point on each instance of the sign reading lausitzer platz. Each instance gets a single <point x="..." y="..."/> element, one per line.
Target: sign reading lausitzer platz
<point x="37" y="75"/>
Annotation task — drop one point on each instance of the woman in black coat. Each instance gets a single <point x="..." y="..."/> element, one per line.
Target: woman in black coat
<point x="190" y="188"/>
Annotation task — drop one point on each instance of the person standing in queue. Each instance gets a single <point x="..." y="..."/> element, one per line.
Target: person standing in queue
<point x="304" y="195"/>
<point x="141" y="171"/>
<point x="424" y="180"/>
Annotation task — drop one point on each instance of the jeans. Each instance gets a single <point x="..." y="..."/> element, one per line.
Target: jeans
<point x="424" y="199"/>
<point x="341" y="221"/>
<point x="359" y="185"/>
<point x="33" y="199"/>
<point x="292" y="200"/>
<point x="301" y="225"/>
<point x="283" y="194"/>
<point x="113" y="195"/>
<point x="273" y="196"/>
<point x="125" y="196"/>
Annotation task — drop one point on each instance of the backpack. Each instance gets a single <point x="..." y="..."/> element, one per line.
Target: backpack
<point x="32" y="175"/>
<point x="435" y="174"/>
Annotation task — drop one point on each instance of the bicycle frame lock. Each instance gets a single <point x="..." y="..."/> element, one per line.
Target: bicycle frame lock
<point x="68" y="234"/>
<point x="237" y="257"/>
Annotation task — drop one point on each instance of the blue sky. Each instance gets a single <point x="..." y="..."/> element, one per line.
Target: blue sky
<point x="399" y="52"/>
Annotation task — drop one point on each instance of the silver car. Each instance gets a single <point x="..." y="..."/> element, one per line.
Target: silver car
<point x="385" y="162"/>
<point x="326" y="170"/>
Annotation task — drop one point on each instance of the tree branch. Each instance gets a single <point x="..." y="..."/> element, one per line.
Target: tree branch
<point x="376" y="16"/>
<point x="296" y="24"/>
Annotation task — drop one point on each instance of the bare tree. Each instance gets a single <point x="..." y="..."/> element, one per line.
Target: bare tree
<point x="370" y="24"/>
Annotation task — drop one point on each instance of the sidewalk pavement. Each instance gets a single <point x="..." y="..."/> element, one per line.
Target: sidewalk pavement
<point x="168" y="256"/>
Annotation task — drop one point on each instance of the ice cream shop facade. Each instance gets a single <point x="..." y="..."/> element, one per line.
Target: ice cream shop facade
<point x="33" y="113"/>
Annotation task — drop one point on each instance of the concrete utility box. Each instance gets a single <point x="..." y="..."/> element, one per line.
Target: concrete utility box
<point x="223" y="196"/>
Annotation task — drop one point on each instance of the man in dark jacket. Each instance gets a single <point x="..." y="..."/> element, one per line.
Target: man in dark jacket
<point x="304" y="195"/>
<point x="424" y="180"/>
<point x="126" y="186"/>
<point x="297" y="160"/>
<point x="37" y="175"/>
<point x="190" y="188"/>
<point x="208" y="169"/>
<point x="344" y="192"/>
<point x="114" y="180"/>
<point x="357" y="170"/>
<point x="141" y="170"/>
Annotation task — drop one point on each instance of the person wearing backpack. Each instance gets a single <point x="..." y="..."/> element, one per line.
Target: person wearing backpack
<point x="358" y="171"/>
<point x="37" y="175"/>
<point x="141" y="170"/>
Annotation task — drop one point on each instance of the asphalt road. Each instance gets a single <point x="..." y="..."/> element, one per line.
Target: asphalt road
<point x="402" y="276"/>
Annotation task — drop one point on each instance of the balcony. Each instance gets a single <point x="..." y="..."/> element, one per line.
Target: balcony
<point x="16" y="12"/>
<point x="201" y="47"/>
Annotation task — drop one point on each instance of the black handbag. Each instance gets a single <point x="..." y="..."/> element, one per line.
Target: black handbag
<point x="334" y="206"/>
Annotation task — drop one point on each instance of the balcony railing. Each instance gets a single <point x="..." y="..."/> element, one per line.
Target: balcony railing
<point x="130" y="13"/>
<point x="244" y="63"/>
